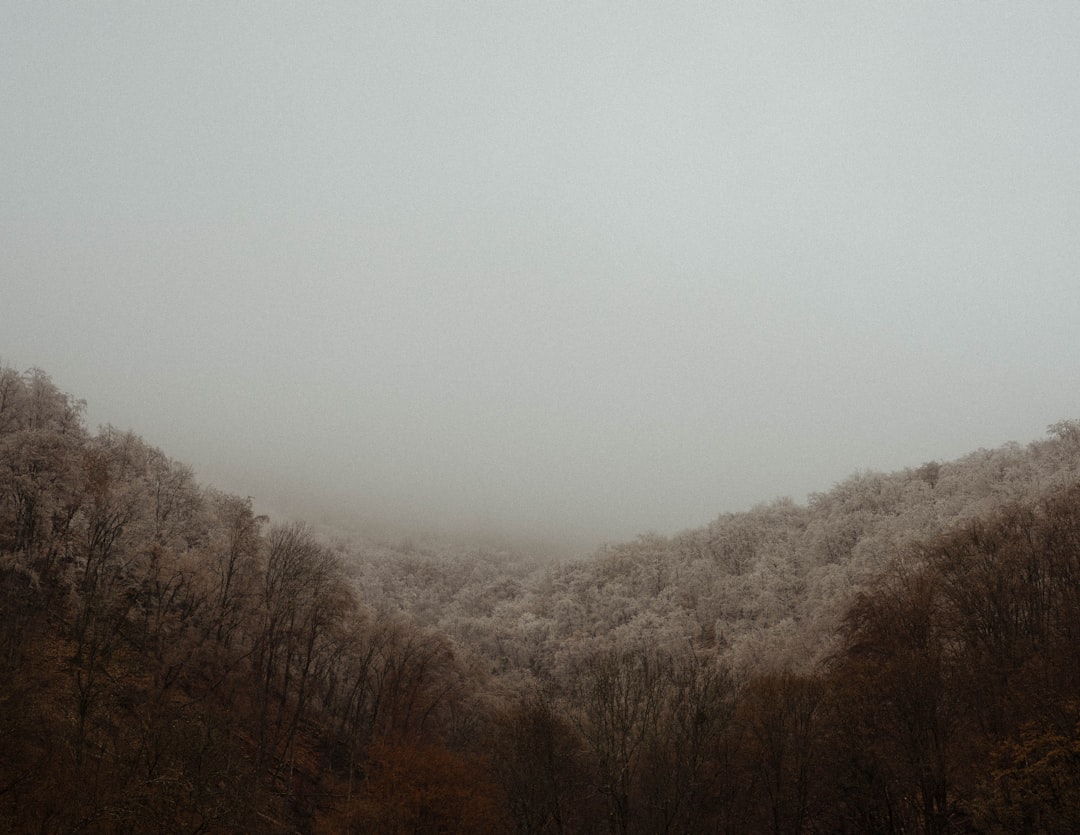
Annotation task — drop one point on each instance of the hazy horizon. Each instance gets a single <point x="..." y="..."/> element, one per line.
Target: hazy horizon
<point x="545" y="273"/>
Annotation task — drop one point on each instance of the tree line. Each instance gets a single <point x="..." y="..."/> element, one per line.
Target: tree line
<point x="170" y="661"/>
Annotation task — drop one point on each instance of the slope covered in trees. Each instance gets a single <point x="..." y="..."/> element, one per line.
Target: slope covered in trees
<point x="899" y="655"/>
<point x="763" y="589"/>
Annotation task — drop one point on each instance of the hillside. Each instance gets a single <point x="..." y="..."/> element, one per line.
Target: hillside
<point x="900" y="654"/>
<point x="764" y="589"/>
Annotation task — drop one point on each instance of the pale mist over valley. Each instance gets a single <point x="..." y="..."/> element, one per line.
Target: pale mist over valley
<point x="550" y="274"/>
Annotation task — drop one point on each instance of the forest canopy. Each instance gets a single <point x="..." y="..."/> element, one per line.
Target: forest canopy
<point x="900" y="654"/>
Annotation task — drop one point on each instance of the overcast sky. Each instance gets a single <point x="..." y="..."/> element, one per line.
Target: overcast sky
<point x="563" y="271"/>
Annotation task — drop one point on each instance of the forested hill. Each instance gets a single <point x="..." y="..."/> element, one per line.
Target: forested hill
<point x="765" y="588"/>
<point x="902" y="654"/>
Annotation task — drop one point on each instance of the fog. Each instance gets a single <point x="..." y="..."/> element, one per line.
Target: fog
<point x="544" y="273"/>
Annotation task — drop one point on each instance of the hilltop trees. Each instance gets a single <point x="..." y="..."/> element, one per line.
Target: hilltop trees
<point x="176" y="665"/>
<point x="41" y="437"/>
<point x="898" y="656"/>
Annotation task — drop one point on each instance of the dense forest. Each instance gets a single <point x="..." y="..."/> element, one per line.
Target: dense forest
<point x="900" y="654"/>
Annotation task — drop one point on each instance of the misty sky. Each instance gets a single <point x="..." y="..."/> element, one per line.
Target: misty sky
<point x="564" y="271"/>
